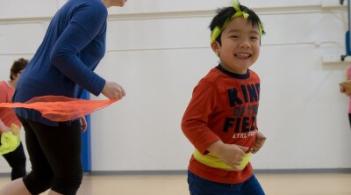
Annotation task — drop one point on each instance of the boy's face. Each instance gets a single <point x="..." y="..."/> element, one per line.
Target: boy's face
<point x="240" y="45"/>
<point x="15" y="77"/>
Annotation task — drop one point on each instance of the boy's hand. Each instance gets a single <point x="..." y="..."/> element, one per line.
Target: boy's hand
<point x="3" y="127"/>
<point x="260" y="139"/>
<point x="231" y="154"/>
<point x="342" y="89"/>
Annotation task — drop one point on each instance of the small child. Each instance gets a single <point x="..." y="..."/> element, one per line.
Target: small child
<point x="11" y="148"/>
<point x="346" y="90"/>
<point x="220" y="120"/>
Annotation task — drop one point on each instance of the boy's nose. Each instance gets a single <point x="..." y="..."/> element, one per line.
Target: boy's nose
<point x="244" y="44"/>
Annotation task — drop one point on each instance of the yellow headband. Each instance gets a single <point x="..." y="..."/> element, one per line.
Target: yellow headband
<point x="238" y="13"/>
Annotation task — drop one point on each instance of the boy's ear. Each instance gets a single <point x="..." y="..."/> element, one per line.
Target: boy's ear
<point x="215" y="47"/>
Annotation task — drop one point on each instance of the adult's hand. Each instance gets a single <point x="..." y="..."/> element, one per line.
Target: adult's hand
<point x="113" y="91"/>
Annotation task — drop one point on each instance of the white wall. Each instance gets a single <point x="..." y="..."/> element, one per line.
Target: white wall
<point x="158" y="51"/>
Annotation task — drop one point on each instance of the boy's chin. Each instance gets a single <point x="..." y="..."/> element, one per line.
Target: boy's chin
<point x="240" y="68"/>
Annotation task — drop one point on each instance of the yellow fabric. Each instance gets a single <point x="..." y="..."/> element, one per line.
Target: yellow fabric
<point x="9" y="142"/>
<point x="215" y="162"/>
<point x="238" y="13"/>
<point x="215" y="33"/>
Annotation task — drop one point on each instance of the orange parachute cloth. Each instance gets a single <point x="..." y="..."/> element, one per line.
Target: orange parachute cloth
<point x="61" y="108"/>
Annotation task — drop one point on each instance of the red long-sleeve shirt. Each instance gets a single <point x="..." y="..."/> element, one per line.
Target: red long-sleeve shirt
<point x="7" y="115"/>
<point x="223" y="107"/>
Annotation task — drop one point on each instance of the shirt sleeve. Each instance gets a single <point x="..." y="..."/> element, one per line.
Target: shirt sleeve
<point x="7" y="115"/>
<point x="3" y="92"/>
<point x="85" y="24"/>
<point x="195" y="119"/>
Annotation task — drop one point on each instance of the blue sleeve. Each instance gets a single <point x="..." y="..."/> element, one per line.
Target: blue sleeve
<point x="84" y="25"/>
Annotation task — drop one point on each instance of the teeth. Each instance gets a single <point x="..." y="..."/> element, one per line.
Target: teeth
<point x="242" y="55"/>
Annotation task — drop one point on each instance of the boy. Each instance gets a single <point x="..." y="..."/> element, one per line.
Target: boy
<point x="220" y="120"/>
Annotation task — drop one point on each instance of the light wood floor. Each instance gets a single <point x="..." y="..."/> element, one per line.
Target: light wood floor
<point x="274" y="184"/>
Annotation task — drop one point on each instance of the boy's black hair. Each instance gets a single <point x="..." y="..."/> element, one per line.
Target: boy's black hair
<point x="226" y="13"/>
<point x="17" y="67"/>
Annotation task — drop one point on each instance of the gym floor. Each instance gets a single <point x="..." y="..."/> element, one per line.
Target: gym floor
<point x="175" y="184"/>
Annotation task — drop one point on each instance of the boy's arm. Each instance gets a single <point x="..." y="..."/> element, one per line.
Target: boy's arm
<point x="195" y="127"/>
<point x="195" y="119"/>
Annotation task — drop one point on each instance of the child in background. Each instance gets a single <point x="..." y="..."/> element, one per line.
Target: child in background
<point x="344" y="90"/>
<point x="63" y="65"/>
<point x="16" y="158"/>
<point x="220" y="120"/>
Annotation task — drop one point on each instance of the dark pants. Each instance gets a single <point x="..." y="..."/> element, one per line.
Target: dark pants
<point x="54" y="153"/>
<point x="17" y="162"/>
<point x="200" y="186"/>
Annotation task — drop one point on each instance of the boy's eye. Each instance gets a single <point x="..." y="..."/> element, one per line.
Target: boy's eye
<point x="253" y="38"/>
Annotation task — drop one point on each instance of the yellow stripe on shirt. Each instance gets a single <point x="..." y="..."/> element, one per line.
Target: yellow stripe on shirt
<point x="214" y="162"/>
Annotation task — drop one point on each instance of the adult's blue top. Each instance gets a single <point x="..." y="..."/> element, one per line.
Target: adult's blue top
<point x="64" y="63"/>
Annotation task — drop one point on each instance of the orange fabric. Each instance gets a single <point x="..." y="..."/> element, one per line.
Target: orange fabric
<point x="60" y="108"/>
